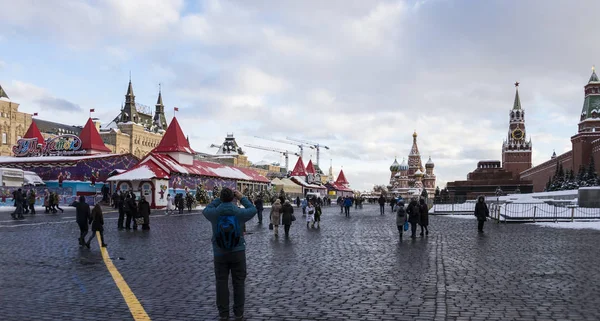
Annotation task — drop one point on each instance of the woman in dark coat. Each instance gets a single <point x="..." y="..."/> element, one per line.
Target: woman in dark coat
<point x="481" y="212"/>
<point x="144" y="211"/>
<point x="424" y="216"/>
<point x="97" y="225"/>
<point x="82" y="217"/>
<point x="414" y="216"/>
<point x="286" y="217"/>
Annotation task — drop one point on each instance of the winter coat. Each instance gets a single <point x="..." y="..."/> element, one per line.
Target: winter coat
<point x="318" y="212"/>
<point x="287" y="212"/>
<point x="481" y="211"/>
<point x="46" y="199"/>
<point x="276" y="214"/>
<point x="259" y="204"/>
<point x="82" y="211"/>
<point x="381" y="200"/>
<point x="400" y="215"/>
<point x="217" y="208"/>
<point x="98" y="220"/>
<point x="144" y="211"/>
<point x="348" y="202"/>
<point x="31" y="198"/>
<point x="413" y="211"/>
<point x="424" y="214"/>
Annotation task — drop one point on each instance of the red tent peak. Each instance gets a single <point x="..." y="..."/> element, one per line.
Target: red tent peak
<point x="299" y="168"/>
<point x="310" y="168"/>
<point x="342" y="178"/>
<point x="174" y="140"/>
<point x="34" y="132"/>
<point x="90" y="138"/>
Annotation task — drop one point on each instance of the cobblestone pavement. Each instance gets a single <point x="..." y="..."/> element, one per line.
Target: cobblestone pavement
<point x="349" y="269"/>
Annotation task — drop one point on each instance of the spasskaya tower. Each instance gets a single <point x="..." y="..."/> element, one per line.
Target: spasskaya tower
<point x="516" y="150"/>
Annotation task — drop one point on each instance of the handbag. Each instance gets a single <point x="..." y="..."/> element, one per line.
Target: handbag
<point x="293" y="217"/>
<point x="139" y="220"/>
<point x="270" y="226"/>
<point x="406" y="226"/>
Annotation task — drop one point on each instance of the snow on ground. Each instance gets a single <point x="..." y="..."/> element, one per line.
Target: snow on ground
<point x="467" y="216"/>
<point x="11" y="208"/>
<point x="593" y="225"/>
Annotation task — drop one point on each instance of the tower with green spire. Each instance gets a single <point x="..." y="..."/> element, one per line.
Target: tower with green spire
<point x="590" y="114"/>
<point x="517" y="148"/>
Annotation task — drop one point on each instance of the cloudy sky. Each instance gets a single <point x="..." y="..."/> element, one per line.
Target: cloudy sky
<point x="357" y="76"/>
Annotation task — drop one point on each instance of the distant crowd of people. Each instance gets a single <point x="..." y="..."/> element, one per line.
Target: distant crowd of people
<point x="24" y="202"/>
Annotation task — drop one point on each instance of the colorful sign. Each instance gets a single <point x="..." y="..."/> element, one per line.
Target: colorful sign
<point x="57" y="146"/>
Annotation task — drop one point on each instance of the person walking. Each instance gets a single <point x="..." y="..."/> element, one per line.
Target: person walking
<point x="340" y="202"/>
<point x="120" y="205"/>
<point x="83" y="218"/>
<point x="347" y="205"/>
<point x="25" y="202"/>
<point x="318" y="212"/>
<point x="381" y="204"/>
<point x="18" y="199"/>
<point x="97" y="226"/>
<point x="56" y="202"/>
<point x="414" y="214"/>
<point x="170" y="205"/>
<point x="258" y="203"/>
<point x="144" y="212"/>
<point x="189" y="201"/>
<point x="276" y="216"/>
<point x="304" y="205"/>
<point x="287" y="212"/>
<point x="400" y="218"/>
<point x="180" y="203"/>
<point x="297" y="201"/>
<point x="481" y="212"/>
<point x="31" y="200"/>
<point x="423" y="216"/>
<point x="229" y="249"/>
<point x="310" y="217"/>
<point x="392" y="203"/>
<point x="47" y="201"/>
<point x="128" y="209"/>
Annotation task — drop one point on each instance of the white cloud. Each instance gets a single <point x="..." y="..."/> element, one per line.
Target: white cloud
<point x="359" y="76"/>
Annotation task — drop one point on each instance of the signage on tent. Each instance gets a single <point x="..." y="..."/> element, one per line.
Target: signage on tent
<point x="57" y="146"/>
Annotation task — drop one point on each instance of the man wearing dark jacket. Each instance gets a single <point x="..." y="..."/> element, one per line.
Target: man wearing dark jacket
<point x="258" y="202"/>
<point x="144" y="211"/>
<point x="83" y="218"/>
<point x="230" y="260"/>
<point x="481" y="212"/>
<point x="414" y="214"/>
<point x="381" y="204"/>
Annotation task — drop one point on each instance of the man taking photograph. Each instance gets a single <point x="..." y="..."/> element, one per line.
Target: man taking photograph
<point x="229" y="249"/>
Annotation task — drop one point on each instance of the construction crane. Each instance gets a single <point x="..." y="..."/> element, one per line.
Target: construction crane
<point x="316" y="146"/>
<point x="285" y="153"/>
<point x="300" y="145"/>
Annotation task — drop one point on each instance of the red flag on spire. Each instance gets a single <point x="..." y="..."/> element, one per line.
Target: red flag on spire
<point x="35" y="114"/>
<point x="92" y="110"/>
<point x="176" y="108"/>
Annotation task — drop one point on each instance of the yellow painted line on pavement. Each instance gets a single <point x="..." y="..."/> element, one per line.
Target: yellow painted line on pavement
<point x="135" y="307"/>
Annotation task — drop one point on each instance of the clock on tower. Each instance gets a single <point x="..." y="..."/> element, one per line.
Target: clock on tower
<point x="516" y="150"/>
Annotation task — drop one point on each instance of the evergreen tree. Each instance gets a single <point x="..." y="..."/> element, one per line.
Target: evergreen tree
<point x="547" y="189"/>
<point x="592" y="176"/>
<point x="424" y="194"/>
<point x="436" y="197"/>
<point x="581" y="176"/>
<point x="445" y="195"/>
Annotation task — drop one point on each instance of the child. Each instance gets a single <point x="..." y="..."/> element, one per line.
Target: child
<point x="310" y="217"/>
<point x="97" y="225"/>
<point x="400" y="218"/>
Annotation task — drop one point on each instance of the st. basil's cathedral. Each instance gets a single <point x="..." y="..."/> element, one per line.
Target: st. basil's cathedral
<point x="408" y="180"/>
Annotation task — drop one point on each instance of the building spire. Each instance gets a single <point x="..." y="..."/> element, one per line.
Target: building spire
<point x="593" y="77"/>
<point x="3" y="93"/>
<point x="517" y="103"/>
